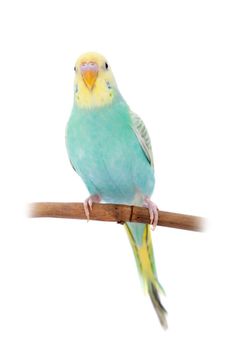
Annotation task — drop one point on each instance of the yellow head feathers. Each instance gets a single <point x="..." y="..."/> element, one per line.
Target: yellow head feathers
<point x="94" y="83"/>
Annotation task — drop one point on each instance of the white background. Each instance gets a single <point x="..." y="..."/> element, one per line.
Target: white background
<point x="72" y="285"/>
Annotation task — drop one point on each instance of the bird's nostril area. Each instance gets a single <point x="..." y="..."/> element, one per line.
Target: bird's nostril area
<point x="89" y="66"/>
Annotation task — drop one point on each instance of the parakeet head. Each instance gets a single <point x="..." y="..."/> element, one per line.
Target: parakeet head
<point x="94" y="84"/>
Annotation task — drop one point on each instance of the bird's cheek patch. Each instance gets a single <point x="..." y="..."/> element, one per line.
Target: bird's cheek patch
<point x="108" y="85"/>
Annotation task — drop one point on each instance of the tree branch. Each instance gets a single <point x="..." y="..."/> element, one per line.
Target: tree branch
<point x="115" y="212"/>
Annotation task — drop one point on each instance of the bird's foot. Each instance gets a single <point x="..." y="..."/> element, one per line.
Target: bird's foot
<point x="153" y="211"/>
<point x="95" y="198"/>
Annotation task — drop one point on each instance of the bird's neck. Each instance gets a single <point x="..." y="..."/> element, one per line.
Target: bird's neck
<point x="93" y="102"/>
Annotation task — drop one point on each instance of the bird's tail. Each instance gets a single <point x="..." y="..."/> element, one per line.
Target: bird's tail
<point x="146" y="266"/>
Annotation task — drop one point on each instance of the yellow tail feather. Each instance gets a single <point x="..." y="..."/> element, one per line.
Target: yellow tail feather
<point x="145" y="262"/>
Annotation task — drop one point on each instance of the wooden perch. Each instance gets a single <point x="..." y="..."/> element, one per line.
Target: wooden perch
<point x="115" y="212"/>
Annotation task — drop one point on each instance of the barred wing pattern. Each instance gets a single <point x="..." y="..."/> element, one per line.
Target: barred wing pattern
<point x="143" y="136"/>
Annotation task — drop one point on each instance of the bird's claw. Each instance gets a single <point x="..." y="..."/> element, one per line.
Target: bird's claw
<point x="87" y="205"/>
<point x="153" y="211"/>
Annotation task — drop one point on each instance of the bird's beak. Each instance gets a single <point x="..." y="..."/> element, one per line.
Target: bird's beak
<point x="89" y="74"/>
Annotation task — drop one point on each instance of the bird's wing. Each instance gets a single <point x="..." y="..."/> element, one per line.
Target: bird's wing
<point x="143" y="137"/>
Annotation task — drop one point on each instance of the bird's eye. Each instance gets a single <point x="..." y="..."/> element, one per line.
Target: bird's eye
<point x="106" y="65"/>
<point x="75" y="69"/>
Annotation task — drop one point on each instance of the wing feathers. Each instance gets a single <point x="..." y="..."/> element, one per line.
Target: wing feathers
<point x="143" y="137"/>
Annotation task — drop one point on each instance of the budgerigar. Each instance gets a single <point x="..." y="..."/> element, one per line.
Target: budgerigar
<point x="109" y="147"/>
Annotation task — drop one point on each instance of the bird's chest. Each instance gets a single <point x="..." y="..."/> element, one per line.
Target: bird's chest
<point x="105" y="151"/>
<point x="102" y="143"/>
